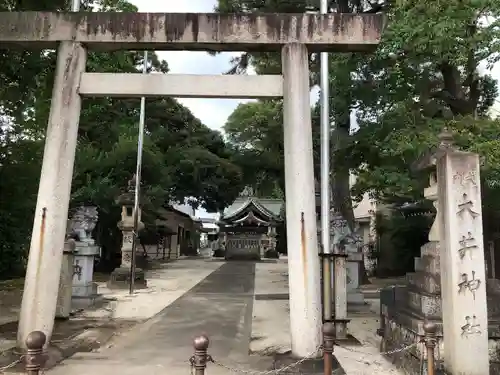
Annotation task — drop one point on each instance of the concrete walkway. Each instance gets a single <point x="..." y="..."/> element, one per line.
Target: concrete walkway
<point x="271" y="325"/>
<point x="241" y="306"/>
<point x="220" y="306"/>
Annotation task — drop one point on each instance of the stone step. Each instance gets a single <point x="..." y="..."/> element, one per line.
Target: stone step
<point x="413" y="321"/>
<point x="424" y="304"/>
<point x="428" y="282"/>
<point x="428" y="263"/>
<point x="430" y="248"/>
<point x="418" y="263"/>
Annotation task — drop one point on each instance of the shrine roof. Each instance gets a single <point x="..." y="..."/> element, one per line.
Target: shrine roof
<point x="270" y="208"/>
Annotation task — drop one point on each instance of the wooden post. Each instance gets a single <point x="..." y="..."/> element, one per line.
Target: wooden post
<point x="328" y="342"/>
<point x="430" y="343"/>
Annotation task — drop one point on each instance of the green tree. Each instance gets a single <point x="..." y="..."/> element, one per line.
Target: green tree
<point x="424" y="73"/>
<point x="424" y="76"/>
<point x="182" y="158"/>
<point x="341" y="83"/>
<point x="255" y="130"/>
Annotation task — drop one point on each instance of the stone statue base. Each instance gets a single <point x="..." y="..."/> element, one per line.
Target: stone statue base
<point x="120" y="279"/>
<point x="85" y="295"/>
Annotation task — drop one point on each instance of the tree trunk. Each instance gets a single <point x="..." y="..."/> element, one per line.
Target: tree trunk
<point x="340" y="184"/>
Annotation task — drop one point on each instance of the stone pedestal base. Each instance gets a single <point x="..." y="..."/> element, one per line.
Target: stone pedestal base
<point x="404" y="330"/>
<point x="120" y="279"/>
<point x="84" y="290"/>
<point x="356" y="297"/>
<point x="85" y="295"/>
<point x="85" y="301"/>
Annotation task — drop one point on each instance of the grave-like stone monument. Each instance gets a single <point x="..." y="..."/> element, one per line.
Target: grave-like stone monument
<point x="81" y="226"/>
<point x="120" y="277"/>
<point x="404" y="309"/>
<point x="448" y="286"/>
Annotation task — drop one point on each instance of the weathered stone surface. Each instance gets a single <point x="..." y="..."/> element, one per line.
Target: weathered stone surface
<point x="120" y="279"/>
<point x="406" y="331"/>
<point x="429" y="264"/>
<point x="397" y="335"/>
<point x="428" y="282"/>
<point x="428" y="305"/>
<point x="430" y="248"/>
<point x="193" y="31"/>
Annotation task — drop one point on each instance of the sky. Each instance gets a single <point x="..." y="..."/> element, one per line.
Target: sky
<point x="214" y="112"/>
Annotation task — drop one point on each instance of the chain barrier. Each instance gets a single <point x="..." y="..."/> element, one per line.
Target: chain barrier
<point x="389" y="352"/>
<point x="273" y="371"/>
<point x="283" y="369"/>
<point x="10" y="365"/>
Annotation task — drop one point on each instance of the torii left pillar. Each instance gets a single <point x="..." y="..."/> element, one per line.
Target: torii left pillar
<point x="49" y="227"/>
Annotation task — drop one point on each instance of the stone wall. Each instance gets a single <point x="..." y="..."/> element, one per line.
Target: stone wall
<point x="401" y="323"/>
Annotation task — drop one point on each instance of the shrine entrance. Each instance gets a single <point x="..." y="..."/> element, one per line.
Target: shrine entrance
<point x="296" y="36"/>
<point x="248" y="228"/>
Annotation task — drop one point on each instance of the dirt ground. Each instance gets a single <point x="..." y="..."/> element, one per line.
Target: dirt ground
<point x="66" y="332"/>
<point x="11" y="292"/>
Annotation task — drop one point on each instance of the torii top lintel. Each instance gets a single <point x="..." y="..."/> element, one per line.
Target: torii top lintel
<point x="192" y="31"/>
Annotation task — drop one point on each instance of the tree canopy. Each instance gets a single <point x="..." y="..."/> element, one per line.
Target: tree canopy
<point x="182" y="158"/>
<point x="387" y="108"/>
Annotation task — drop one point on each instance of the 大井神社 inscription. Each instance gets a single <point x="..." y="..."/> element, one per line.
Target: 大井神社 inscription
<point x="469" y="284"/>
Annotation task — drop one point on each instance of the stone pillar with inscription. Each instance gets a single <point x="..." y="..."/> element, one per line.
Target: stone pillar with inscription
<point x="120" y="277"/>
<point x="272" y="237"/>
<point x="63" y="307"/>
<point x="406" y="308"/>
<point x="463" y="287"/>
<point x="339" y="231"/>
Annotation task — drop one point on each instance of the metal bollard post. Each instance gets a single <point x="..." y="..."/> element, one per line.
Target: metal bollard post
<point x="328" y="342"/>
<point x="430" y="339"/>
<point x="35" y="357"/>
<point x="200" y="358"/>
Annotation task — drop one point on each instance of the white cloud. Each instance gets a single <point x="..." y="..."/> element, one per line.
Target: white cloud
<point x="212" y="112"/>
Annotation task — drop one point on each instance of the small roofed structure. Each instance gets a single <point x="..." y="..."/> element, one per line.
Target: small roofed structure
<point x="248" y="227"/>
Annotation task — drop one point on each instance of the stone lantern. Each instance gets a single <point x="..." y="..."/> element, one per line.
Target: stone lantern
<point x="120" y="277"/>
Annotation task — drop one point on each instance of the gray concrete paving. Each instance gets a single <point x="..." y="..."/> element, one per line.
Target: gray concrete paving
<point x="219" y="306"/>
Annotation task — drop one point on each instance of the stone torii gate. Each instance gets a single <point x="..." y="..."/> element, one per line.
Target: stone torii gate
<point x="296" y="35"/>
